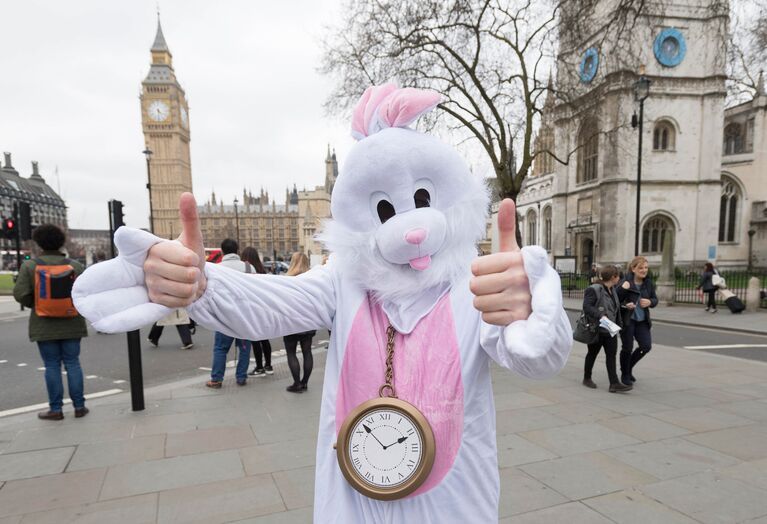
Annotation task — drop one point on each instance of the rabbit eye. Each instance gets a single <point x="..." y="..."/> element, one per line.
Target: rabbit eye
<point x="422" y="198"/>
<point x="385" y="210"/>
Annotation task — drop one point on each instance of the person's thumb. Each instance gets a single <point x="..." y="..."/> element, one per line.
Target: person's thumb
<point x="191" y="235"/>
<point x="507" y="226"/>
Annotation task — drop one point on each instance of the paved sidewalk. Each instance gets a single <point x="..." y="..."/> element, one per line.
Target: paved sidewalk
<point x="10" y="309"/>
<point x="690" y="315"/>
<point x="687" y="445"/>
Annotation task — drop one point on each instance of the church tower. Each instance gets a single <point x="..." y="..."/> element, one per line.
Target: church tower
<point x="165" y="123"/>
<point x="331" y="171"/>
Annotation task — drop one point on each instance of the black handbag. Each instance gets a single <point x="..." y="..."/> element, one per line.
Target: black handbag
<point x="585" y="330"/>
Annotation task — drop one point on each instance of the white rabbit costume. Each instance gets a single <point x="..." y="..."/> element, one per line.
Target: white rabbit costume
<point x="406" y="216"/>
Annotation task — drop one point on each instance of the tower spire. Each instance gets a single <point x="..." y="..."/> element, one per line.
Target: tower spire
<point x="159" y="39"/>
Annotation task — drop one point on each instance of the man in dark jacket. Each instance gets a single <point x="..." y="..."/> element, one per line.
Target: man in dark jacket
<point x="58" y="339"/>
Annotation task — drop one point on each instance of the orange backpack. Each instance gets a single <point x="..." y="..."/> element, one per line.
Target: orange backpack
<point x="53" y="289"/>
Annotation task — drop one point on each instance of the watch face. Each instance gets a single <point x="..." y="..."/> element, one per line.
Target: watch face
<point x="158" y="111"/>
<point x="184" y="117"/>
<point x="385" y="448"/>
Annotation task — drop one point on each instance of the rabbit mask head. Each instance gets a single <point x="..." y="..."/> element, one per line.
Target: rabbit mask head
<point x="407" y="212"/>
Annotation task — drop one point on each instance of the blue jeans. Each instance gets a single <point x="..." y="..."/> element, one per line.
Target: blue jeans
<point x="53" y="353"/>
<point x="221" y="345"/>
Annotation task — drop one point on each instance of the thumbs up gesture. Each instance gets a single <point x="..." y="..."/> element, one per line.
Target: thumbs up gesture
<point x="500" y="284"/>
<point x="173" y="271"/>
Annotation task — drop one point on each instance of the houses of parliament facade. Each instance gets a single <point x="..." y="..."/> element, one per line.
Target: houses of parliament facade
<point x="275" y="229"/>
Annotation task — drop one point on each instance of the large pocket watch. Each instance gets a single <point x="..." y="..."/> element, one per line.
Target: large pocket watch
<point x="386" y="446"/>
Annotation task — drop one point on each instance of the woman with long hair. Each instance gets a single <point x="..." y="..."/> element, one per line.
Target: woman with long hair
<point x="637" y="295"/>
<point x="262" y="349"/>
<point x="601" y="301"/>
<point x="706" y="284"/>
<point x="299" y="263"/>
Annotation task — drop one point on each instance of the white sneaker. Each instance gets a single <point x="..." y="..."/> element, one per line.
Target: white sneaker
<point x="152" y="342"/>
<point x="188" y="346"/>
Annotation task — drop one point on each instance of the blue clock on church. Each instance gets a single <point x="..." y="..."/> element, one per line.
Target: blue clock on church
<point x="589" y="65"/>
<point x="670" y="47"/>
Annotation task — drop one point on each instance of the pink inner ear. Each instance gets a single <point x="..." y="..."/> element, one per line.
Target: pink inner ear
<point x="405" y="105"/>
<point x="366" y="108"/>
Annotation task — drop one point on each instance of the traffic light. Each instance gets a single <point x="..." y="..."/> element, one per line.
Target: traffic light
<point x="9" y="228"/>
<point x="116" y="214"/>
<point x="25" y="220"/>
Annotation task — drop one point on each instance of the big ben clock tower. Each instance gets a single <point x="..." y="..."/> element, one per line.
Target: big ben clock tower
<point x="165" y="122"/>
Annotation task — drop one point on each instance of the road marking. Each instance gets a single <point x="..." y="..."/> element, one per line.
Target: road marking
<point x="89" y="377"/>
<point x="35" y="407"/>
<point x="40" y="369"/>
<point x="322" y="341"/>
<point x="728" y="346"/>
<point x="205" y="369"/>
<point x="21" y="365"/>
<point x="3" y="361"/>
<point x="118" y="382"/>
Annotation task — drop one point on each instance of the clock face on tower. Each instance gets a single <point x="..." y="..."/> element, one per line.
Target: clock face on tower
<point x="158" y="111"/>
<point x="184" y="118"/>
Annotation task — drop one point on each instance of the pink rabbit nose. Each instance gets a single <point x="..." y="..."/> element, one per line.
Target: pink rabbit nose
<point x="415" y="236"/>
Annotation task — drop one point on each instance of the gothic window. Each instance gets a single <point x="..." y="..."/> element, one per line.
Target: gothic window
<point x="728" y="210"/>
<point x="654" y="234"/>
<point x="532" y="228"/>
<point x="733" y="139"/>
<point x="547" y="228"/>
<point x="663" y="136"/>
<point x="588" y="152"/>
<point x="749" y="139"/>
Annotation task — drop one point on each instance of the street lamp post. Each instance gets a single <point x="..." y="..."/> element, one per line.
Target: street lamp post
<point x="148" y="154"/>
<point x="237" y="220"/>
<point x="641" y="92"/>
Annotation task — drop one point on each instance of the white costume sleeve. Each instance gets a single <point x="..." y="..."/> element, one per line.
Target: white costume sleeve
<point x="113" y="297"/>
<point x="539" y="346"/>
<point x="258" y="307"/>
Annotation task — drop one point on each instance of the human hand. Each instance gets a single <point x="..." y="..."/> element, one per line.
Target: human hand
<point x="500" y="283"/>
<point x="626" y="284"/>
<point x="644" y="302"/>
<point x="173" y="271"/>
<point x="631" y="305"/>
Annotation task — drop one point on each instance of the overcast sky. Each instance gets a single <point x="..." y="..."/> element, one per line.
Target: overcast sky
<point x="70" y="78"/>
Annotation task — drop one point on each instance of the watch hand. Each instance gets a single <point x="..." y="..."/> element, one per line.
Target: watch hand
<point x="370" y="432"/>
<point x="399" y="441"/>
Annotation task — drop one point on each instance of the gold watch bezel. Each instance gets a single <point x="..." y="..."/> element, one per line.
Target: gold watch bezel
<point x="424" y="467"/>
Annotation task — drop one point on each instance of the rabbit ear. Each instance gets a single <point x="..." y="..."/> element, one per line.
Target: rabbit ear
<point x="387" y="106"/>
<point x="365" y="111"/>
<point x="404" y="106"/>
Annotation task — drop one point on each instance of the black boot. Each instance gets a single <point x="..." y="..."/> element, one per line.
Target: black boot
<point x="625" y="358"/>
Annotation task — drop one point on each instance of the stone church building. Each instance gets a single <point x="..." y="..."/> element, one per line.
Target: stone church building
<point x="703" y="167"/>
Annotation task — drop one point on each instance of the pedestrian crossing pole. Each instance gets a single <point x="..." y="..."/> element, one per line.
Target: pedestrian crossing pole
<point x="134" y="337"/>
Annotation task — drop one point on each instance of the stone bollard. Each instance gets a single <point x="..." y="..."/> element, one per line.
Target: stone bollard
<point x="752" y="295"/>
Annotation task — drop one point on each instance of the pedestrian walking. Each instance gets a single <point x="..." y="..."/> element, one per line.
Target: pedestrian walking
<point x="221" y="341"/>
<point x="183" y="323"/>
<point x="600" y="301"/>
<point x="594" y="274"/>
<point x="262" y="349"/>
<point x="44" y="285"/>
<point x="299" y="263"/>
<point x="707" y="286"/>
<point x="637" y="295"/>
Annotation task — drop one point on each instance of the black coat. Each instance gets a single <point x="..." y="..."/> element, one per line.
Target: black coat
<point x="598" y="301"/>
<point x="632" y="294"/>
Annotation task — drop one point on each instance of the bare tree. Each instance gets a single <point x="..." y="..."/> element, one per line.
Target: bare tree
<point x="492" y="60"/>
<point x="746" y="48"/>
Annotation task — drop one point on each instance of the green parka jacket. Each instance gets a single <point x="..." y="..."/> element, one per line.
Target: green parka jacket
<point x="44" y="328"/>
